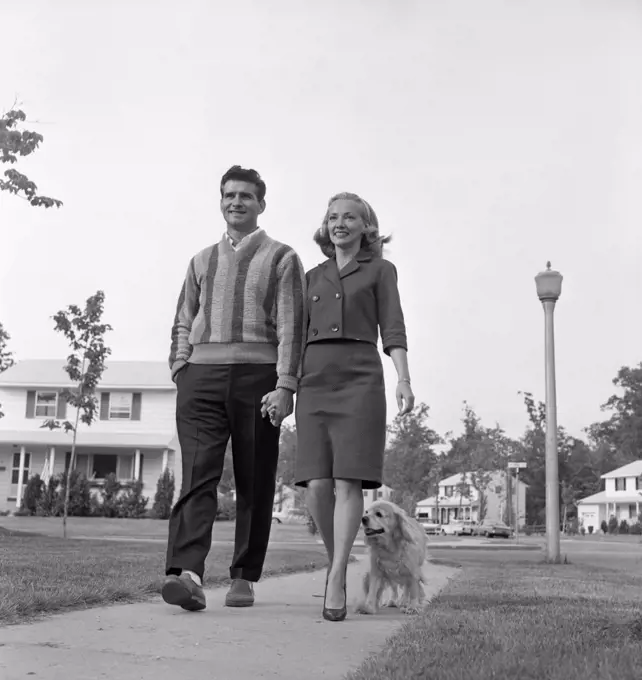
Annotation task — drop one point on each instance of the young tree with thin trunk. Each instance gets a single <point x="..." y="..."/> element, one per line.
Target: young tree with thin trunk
<point x="85" y="332"/>
<point x="16" y="142"/>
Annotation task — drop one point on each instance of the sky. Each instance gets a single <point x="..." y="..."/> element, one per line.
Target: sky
<point x="488" y="136"/>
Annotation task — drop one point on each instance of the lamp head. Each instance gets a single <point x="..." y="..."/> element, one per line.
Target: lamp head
<point x="548" y="284"/>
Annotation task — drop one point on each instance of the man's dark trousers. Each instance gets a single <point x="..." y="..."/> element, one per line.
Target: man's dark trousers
<point x="215" y="402"/>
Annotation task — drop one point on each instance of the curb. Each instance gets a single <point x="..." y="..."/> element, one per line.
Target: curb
<point x="478" y="546"/>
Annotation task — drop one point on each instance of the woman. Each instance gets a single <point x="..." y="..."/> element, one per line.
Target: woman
<point x="341" y="402"/>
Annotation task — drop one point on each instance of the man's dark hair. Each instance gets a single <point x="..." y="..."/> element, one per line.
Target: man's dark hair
<point x="236" y="172"/>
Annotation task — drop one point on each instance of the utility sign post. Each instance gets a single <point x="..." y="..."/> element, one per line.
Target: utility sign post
<point x="517" y="467"/>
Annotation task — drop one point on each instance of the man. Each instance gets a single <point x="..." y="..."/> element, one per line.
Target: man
<point x="237" y="342"/>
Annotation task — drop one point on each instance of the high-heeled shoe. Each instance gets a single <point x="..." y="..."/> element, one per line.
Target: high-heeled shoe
<point x="336" y="614"/>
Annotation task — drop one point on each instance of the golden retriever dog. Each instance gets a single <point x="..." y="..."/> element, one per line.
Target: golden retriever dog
<point x="397" y="546"/>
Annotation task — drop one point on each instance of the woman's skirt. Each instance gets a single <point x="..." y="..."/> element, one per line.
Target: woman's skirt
<point x="341" y="413"/>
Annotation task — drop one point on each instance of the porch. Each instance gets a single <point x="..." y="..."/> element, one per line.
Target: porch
<point x="96" y="461"/>
<point x="447" y="510"/>
<point x="598" y="508"/>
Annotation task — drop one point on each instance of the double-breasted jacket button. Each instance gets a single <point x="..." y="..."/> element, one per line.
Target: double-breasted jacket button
<point x="315" y="298"/>
<point x="334" y="328"/>
<point x="315" y="331"/>
<point x="337" y="295"/>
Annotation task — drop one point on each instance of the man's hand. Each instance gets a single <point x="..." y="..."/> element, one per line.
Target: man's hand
<point x="277" y="405"/>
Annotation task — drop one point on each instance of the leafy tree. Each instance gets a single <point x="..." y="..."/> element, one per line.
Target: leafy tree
<point x="226" y="483"/>
<point x="285" y="472"/>
<point x="85" y="332"/>
<point x="621" y="434"/>
<point x="16" y="142"/>
<point x="6" y="355"/>
<point x="410" y="457"/>
<point x="479" y="451"/>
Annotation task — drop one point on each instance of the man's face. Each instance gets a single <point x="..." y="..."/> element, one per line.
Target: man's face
<point x="240" y="206"/>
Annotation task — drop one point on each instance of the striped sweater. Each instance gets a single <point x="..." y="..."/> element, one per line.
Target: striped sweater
<point x="243" y="305"/>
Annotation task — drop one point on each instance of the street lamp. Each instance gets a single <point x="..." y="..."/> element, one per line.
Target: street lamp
<point x="549" y="288"/>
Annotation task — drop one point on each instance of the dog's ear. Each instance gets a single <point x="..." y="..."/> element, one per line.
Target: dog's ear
<point x="404" y="526"/>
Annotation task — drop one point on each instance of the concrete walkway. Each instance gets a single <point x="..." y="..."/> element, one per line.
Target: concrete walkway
<point x="282" y="636"/>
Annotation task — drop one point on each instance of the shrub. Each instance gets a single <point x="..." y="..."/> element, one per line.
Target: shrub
<point x="79" y="495"/>
<point x="96" y="506"/>
<point x="109" y="492"/>
<point x="572" y="527"/>
<point x="311" y="524"/>
<point x="132" y="504"/>
<point x="590" y="529"/>
<point x="32" y="493"/>
<point x="583" y="530"/>
<point x="528" y="530"/>
<point x="604" y="527"/>
<point x="636" y="529"/>
<point x="164" y="496"/>
<point x="612" y="525"/>
<point x="47" y="502"/>
<point x="624" y="527"/>
<point x="226" y="510"/>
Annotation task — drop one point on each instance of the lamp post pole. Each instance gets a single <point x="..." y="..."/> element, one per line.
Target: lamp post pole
<point x="549" y="288"/>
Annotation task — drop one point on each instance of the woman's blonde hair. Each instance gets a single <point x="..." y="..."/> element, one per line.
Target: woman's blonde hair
<point x="371" y="241"/>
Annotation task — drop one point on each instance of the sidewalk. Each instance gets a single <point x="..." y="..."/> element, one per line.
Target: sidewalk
<point x="282" y="636"/>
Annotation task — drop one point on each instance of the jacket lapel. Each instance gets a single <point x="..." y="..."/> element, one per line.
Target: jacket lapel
<point x="332" y="273"/>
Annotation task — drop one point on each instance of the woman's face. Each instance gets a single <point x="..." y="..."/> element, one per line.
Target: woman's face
<point x="345" y="224"/>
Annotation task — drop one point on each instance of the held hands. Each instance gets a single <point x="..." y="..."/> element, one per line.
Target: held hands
<point x="405" y="397"/>
<point x="277" y="405"/>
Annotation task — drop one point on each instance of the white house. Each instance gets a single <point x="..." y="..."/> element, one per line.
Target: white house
<point x="133" y="435"/>
<point x="458" y="498"/>
<point x="383" y="493"/>
<point x="286" y="499"/>
<point x="621" y="498"/>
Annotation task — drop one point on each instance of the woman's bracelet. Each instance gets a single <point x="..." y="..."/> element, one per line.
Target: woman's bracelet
<point x="406" y="380"/>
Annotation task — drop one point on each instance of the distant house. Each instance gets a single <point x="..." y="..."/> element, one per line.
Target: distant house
<point x="458" y="499"/>
<point x="286" y="499"/>
<point x="132" y="437"/>
<point x="621" y="498"/>
<point x="383" y="493"/>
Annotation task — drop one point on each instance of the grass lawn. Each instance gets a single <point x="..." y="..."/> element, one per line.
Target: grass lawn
<point x="521" y="619"/>
<point x="99" y="527"/>
<point x="42" y="574"/>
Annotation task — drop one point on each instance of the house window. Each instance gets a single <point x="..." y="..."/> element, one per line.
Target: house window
<point x="632" y="511"/>
<point x="365" y="493"/>
<point x="104" y="464"/>
<point x="379" y="494"/>
<point x="15" y="468"/>
<point x="620" y="484"/>
<point x="120" y="405"/>
<point x="448" y="491"/>
<point x="46" y="404"/>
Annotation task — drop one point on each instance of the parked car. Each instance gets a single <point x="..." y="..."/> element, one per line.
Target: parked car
<point x="492" y="528"/>
<point x="288" y="516"/>
<point x="430" y="525"/>
<point x="458" y="527"/>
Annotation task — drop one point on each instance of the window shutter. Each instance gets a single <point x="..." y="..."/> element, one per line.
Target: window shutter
<point x="67" y="460"/>
<point x="104" y="405"/>
<point x="61" y="409"/>
<point x="142" y="461"/>
<point x="31" y="405"/>
<point x="136" y="405"/>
